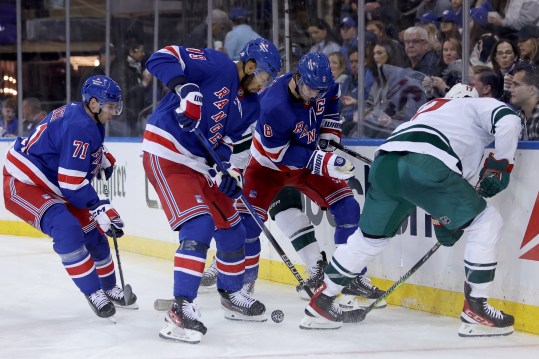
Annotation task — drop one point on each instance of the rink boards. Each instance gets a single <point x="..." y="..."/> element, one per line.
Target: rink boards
<point x="436" y="287"/>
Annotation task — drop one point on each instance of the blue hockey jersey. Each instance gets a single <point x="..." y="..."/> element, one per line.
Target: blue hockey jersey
<point x="62" y="155"/>
<point x="288" y="129"/>
<point x="221" y="121"/>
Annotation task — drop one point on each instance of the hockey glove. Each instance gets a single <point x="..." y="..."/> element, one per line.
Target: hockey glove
<point x="330" y="130"/>
<point x="106" y="216"/>
<point x="494" y="176"/>
<point x="445" y="236"/>
<point x="231" y="183"/>
<point x="107" y="164"/>
<point x="189" y="112"/>
<point x="327" y="164"/>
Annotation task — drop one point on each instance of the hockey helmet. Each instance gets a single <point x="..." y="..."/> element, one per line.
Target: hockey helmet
<point x="264" y="53"/>
<point x="315" y="72"/>
<point x="460" y="90"/>
<point x="106" y="91"/>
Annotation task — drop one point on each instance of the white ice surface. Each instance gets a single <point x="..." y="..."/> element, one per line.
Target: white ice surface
<point x="42" y="315"/>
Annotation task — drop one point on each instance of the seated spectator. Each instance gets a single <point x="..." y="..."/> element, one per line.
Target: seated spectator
<point x="10" y="127"/>
<point x="437" y="7"/>
<point x="198" y="38"/>
<point x="349" y="90"/>
<point x="96" y="70"/>
<point x="322" y="38"/>
<point x="448" y="26"/>
<point x="482" y="38"/>
<point x="348" y="29"/>
<point x="337" y="62"/>
<point x="31" y="115"/>
<point x="449" y="70"/>
<point x="378" y="29"/>
<point x="518" y="13"/>
<point x="486" y="81"/>
<point x="416" y="45"/>
<point x="525" y="95"/>
<point x="504" y="56"/>
<point x="394" y="97"/>
<point x="240" y="34"/>
<point x="456" y="7"/>
<point x="528" y="43"/>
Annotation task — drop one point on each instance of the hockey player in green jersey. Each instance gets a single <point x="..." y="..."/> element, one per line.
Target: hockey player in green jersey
<point x="431" y="162"/>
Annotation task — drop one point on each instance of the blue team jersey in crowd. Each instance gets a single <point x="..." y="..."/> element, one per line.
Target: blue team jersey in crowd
<point x="288" y="128"/>
<point x="62" y="155"/>
<point x="221" y="121"/>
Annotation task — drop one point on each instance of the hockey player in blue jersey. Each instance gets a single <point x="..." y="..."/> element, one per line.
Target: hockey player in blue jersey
<point x="198" y="201"/>
<point x="47" y="183"/>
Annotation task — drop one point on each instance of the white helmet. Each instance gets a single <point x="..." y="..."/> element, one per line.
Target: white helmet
<point x="461" y="90"/>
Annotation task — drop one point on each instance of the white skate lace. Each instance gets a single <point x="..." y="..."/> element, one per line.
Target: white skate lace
<point x="242" y="299"/>
<point x="492" y="311"/>
<point x="190" y="310"/>
<point x="116" y="293"/>
<point x="99" y="299"/>
<point x="366" y="282"/>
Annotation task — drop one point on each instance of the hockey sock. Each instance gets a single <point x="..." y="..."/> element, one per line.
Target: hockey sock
<point x="296" y="225"/>
<point x="230" y="257"/>
<point x="106" y="273"/>
<point x="80" y="267"/>
<point x="190" y="258"/>
<point x="252" y="257"/>
<point x="98" y="246"/>
<point x="346" y="215"/>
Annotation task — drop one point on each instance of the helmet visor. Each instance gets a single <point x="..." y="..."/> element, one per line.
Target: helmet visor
<point x="262" y="80"/>
<point x="113" y="108"/>
<point x="308" y="93"/>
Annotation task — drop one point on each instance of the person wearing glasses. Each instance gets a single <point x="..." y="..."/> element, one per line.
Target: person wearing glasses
<point x="419" y="51"/>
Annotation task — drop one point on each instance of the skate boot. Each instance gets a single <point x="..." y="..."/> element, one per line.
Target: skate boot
<point x="241" y="305"/>
<point x="321" y="312"/>
<point x="101" y="305"/>
<point x="182" y="323"/>
<point x="481" y="320"/>
<point x="249" y="288"/>
<point x="116" y="296"/>
<point x="315" y="278"/>
<point x="209" y="278"/>
<point x="360" y="293"/>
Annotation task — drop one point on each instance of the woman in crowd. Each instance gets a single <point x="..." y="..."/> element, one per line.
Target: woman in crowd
<point x="337" y="62"/>
<point x="449" y="70"/>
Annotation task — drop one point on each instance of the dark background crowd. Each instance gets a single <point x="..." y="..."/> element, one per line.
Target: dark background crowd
<point x="413" y="53"/>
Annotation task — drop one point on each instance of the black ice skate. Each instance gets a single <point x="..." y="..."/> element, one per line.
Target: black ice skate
<point x="209" y="278"/>
<point x="315" y="278"/>
<point x="101" y="305"/>
<point x="182" y="323"/>
<point x="241" y="305"/>
<point x="116" y="296"/>
<point x="360" y="293"/>
<point x="322" y="313"/>
<point x="481" y="320"/>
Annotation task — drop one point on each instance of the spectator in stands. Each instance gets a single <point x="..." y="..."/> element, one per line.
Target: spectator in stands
<point x="448" y="26"/>
<point x="482" y="38"/>
<point x="394" y="96"/>
<point x="31" y="115"/>
<point x="377" y="27"/>
<point x="433" y="6"/>
<point x="129" y="73"/>
<point x="486" y="81"/>
<point x="456" y="7"/>
<point x="525" y="95"/>
<point x="416" y="46"/>
<point x="504" y="55"/>
<point x="448" y="72"/>
<point x="528" y="43"/>
<point x="240" y="34"/>
<point x="349" y="90"/>
<point x="518" y="13"/>
<point x="322" y="38"/>
<point x="97" y="70"/>
<point x="348" y="29"/>
<point x="10" y="127"/>
<point x="220" y="24"/>
<point x="337" y="62"/>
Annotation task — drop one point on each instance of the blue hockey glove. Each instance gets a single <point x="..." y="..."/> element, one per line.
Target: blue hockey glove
<point x="189" y="112"/>
<point x="494" y="176"/>
<point x="445" y="236"/>
<point x="107" y="164"/>
<point x="231" y="184"/>
<point x="327" y="164"/>
<point x="106" y="216"/>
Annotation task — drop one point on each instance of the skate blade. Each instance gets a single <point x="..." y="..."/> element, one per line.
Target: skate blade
<point x="244" y="318"/>
<point x="352" y="302"/>
<point x="318" y="323"/>
<point x="112" y="319"/>
<point x="133" y="306"/>
<point x="162" y="305"/>
<point x="480" y="330"/>
<point x="174" y="333"/>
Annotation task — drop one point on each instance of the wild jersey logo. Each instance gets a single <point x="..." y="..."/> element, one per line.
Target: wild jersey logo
<point x="530" y="243"/>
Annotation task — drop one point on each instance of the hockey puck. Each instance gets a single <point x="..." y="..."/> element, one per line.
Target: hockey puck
<point x="277" y="316"/>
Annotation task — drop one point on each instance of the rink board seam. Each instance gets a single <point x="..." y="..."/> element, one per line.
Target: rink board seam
<point x="433" y="300"/>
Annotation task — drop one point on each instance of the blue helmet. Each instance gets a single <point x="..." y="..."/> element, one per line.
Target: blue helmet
<point x="315" y="72"/>
<point x="264" y="53"/>
<point x="102" y="88"/>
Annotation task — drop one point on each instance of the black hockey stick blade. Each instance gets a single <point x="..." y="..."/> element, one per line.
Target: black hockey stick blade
<point x="128" y="293"/>
<point x="350" y="152"/>
<point x="354" y="316"/>
<point x="162" y="305"/>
